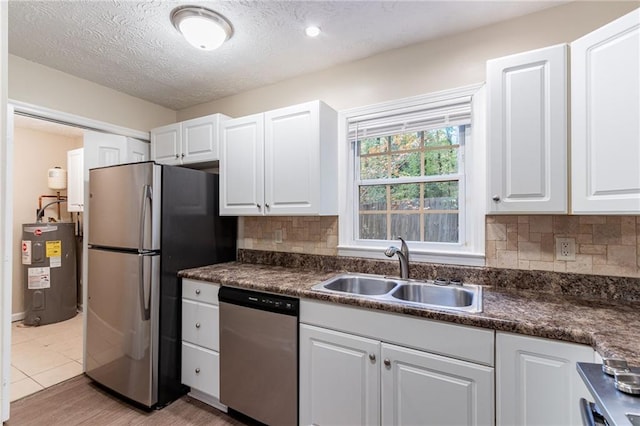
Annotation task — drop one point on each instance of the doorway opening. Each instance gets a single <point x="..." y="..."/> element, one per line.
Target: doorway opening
<point x="47" y="354"/>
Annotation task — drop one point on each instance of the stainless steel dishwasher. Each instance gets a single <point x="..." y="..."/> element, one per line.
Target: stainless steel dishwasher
<point x="259" y="355"/>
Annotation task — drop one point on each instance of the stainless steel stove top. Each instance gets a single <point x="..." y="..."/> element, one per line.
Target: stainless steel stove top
<point x="617" y="407"/>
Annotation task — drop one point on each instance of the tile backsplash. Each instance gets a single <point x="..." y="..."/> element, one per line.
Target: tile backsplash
<point x="300" y="234"/>
<point x="605" y="245"/>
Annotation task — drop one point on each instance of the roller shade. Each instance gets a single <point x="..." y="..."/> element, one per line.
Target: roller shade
<point x="453" y="112"/>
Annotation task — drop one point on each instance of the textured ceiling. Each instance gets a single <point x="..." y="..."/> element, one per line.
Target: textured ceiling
<point x="45" y="126"/>
<point x="132" y="47"/>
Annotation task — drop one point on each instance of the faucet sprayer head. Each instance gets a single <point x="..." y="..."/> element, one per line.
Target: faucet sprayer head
<point x="389" y="252"/>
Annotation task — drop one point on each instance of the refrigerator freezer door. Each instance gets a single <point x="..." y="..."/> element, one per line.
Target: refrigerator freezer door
<point x="124" y="206"/>
<point x="122" y="323"/>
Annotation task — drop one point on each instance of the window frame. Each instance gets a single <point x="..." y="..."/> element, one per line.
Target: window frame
<point x="470" y="248"/>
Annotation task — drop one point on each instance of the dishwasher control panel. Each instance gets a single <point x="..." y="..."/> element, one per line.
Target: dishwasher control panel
<point x="265" y="301"/>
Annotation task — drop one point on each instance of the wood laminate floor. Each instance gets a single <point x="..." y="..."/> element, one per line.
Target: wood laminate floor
<point x="79" y="401"/>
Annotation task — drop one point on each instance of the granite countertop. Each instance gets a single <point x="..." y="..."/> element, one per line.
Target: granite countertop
<point x="611" y="327"/>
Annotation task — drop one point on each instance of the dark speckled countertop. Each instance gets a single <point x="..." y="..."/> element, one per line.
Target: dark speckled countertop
<point x="611" y="327"/>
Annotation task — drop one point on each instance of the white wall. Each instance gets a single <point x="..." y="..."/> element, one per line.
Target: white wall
<point x="46" y="87"/>
<point x="422" y="68"/>
<point x="34" y="153"/>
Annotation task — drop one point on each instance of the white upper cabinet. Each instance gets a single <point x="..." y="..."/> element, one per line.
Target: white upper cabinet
<point x="527" y="132"/>
<point x="242" y="166"/>
<point x="282" y="162"/>
<point x="166" y="143"/>
<point x="193" y="141"/>
<point x="605" y="106"/>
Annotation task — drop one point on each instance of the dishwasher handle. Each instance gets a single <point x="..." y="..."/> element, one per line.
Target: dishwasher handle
<point x="257" y="300"/>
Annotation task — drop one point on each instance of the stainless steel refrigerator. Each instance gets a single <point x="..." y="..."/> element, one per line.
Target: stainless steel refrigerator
<point x="146" y="222"/>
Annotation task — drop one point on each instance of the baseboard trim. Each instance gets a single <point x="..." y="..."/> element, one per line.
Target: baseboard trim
<point x="17" y="317"/>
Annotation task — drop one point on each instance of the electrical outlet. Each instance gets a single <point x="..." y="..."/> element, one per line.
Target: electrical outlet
<point x="277" y="236"/>
<point x="566" y="249"/>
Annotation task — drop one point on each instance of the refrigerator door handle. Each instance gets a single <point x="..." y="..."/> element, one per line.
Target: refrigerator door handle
<point x="147" y="194"/>
<point x="145" y="307"/>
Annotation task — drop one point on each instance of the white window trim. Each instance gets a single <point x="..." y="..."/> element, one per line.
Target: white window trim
<point x="470" y="253"/>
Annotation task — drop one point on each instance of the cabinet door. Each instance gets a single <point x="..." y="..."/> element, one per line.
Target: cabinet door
<point x="166" y="144"/>
<point x="537" y="382"/>
<point x="200" y="139"/>
<point x="242" y="166"/>
<point x="75" y="180"/>
<point x="292" y="160"/>
<point x="605" y="129"/>
<point x="339" y="378"/>
<point x="419" y="388"/>
<point x="527" y="132"/>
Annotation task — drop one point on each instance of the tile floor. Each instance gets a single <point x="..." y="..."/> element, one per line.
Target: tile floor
<point x="45" y="355"/>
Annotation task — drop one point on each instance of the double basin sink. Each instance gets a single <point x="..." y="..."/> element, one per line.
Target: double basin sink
<point x="422" y="294"/>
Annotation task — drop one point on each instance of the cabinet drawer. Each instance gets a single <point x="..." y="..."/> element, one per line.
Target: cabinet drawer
<point x="200" y="324"/>
<point x="200" y="291"/>
<point x="201" y="369"/>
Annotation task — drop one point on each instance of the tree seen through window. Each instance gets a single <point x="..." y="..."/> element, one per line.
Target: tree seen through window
<point x="409" y="185"/>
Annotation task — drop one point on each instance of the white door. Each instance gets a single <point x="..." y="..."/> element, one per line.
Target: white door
<point x="292" y="160"/>
<point x="200" y="139"/>
<point x="137" y="150"/>
<point x="242" y="166"/>
<point x="419" y="388"/>
<point x="537" y="382"/>
<point x="339" y="378"/>
<point x="605" y="129"/>
<point x="527" y="132"/>
<point x="166" y="144"/>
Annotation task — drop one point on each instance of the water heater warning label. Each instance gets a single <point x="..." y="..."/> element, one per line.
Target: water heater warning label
<point x="54" y="248"/>
<point x="39" y="278"/>
<point x="26" y="252"/>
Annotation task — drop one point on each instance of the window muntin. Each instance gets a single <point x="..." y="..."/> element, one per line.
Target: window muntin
<point x="410" y="184"/>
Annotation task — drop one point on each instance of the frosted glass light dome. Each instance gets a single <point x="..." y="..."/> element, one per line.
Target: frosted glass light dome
<point x="204" y="29"/>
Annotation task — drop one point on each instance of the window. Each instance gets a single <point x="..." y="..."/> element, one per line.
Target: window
<point x="408" y="184"/>
<point x="411" y="174"/>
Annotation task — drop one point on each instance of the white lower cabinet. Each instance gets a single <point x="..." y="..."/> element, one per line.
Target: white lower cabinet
<point x="419" y="388"/>
<point x="200" y="341"/>
<point x="201" y="369"/>
<point x="537" y="382"/>
<point x="339" y="378"/>
<point x="350" y="379"/>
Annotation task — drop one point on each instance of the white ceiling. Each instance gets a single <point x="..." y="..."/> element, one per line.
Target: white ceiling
<point x="132" y="47"/>
<point x="45" y="126"/>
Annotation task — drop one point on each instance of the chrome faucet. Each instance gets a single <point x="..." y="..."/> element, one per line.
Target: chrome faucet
<point x="403" y="257"/>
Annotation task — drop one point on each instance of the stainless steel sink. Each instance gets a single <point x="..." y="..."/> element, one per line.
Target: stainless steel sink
<point x="435" y="295"/>
<point x="365" y="285"/>
<point x="423" y="294"/>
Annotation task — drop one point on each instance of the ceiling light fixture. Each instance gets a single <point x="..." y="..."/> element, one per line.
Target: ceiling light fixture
<point x="312" y="31"/>
<point x="202" y="28"/>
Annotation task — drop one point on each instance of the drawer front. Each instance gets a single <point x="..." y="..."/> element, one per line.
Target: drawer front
<point x="200" y="291"/>
<point x="201" y="369"/>
<point x="200" y="324"/>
